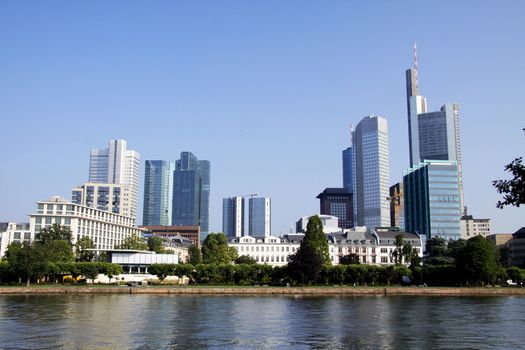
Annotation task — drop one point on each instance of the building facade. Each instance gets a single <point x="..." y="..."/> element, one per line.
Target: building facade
<point x="158" y="193"/>
<point x="191" y="193"/>
<point x="471" y="227"/>
<point x="432" y="200"/>
<point x="107" y="230"/>
<point x="191" y="233"/>
<point x="233" y="216"/>
<point x="432" y="135"/>
<point x="114" y="198"/>
<point x="260" y="216"/>
<point x="517" y="248"/>
<point x="371" y="246"/>
<point x="347" y="166"/>
<point x="397" y="206"/>
<point x="330" y="223"/>
<point x="371" y="176"/>
<point x="117" y="165"/>
<point x="337" y="202"/>
<point x="14" y="232"/>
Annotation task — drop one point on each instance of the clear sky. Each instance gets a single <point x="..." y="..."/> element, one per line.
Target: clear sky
<point x="265" y="90"/>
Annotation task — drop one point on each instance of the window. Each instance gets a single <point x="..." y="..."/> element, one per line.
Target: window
<point x="383" y="251"/>
<point x="16" y="235"/>
<point x="384" y="259"/>
<point x="27" y="236"/>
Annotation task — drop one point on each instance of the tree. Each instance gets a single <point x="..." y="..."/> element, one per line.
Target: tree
<point x="350" y="259"/>
<point x="195" y="256"/>
<point x="245" y="259"/>
<point x="81" y="247"/>
<point x="156" y="244"/>
<point x="54" y="233"/>
<point x="513" y="190"/>
<point x="397" y="253"/>
<point x="215" y="250"/>
<point x="56" y="251"/>
<point x="26" y="261"/>
<point x="436" y="247"/>
<point x="133" y="242"/>
<point x="477" y="263"/>
<point x="162" y="270"/>
<point x="312" y="254"/>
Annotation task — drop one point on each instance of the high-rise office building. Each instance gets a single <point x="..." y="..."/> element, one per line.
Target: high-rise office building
<point x="158" y="193"/>
<point x="432" y="135"/>
<point x="114" y="198"/>
<point x="116" y="165"/>
<point x="337" y="202"/>
<point x="259" y="221"/>
<point x="370" y="171"/>
<point x="347" y="170"/>
<point x="191" y="193"/>
<point x="233" y="216"/>
<point x="432" y="200"/>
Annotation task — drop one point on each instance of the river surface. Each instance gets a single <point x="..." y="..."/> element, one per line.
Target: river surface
<point x="264" y="322"/>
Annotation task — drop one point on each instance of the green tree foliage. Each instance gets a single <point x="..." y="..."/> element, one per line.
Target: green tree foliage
<point x="215" y="250"/>
<point x="513" y="190"/>
<point x="195" y="256"/>
<point x="477" y="262"/>
<point x="81" y="247"/>
<point x="26" y="261"/>
<point x="162" y="270"/>
<point x="397" y="253"/>
<point x="350" y="259"/>
<point x="306" y="264"/>
<point x="516" y="274"/>
<point x="54" y="233"/>
<point x="156" y="244"/>
<point x="245" y="259"/>
<point x="56" y="251"/>
<point x="133" y="242"/>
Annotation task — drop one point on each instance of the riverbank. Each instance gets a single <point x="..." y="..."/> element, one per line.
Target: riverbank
<point x="220" y="290"/>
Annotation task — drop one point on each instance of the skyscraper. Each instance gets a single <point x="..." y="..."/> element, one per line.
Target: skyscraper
<point x="337" y="202"/>
<point x="116" y="165"/>
<point x="371" y="173"/>
<point x="259" y="222"/>
<point x="432" y="199"/>
<point x="158" y="193"/>
<point x="432" y="135"/>
<point x="191" y="193"/>
<point x="347" y="167"/>
<point x="233" y="216"/>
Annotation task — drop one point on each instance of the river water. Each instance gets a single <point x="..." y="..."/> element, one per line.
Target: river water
<point x="264" y="322"/>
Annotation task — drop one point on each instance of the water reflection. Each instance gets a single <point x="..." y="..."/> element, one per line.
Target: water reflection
<point x="265" y="322"/>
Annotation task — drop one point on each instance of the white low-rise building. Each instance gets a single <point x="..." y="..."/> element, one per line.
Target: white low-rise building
<point x="471" y="227"/>
<point x="106" y="230"/>
<point x="14" y="232"/>
<point x="370" y="245"/>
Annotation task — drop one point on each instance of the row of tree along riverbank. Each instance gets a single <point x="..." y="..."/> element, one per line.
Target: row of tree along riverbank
<point x="269" y="291"/>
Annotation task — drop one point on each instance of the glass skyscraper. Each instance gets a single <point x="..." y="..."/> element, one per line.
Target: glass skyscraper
<point x="233" y="216"/>
<point x="370" y="173"/>
<point x="191" y="193"/>
<point x="432" y="135"/>
<point x="347" y="166"/>
<point x="158" y="193"/>
<point x="432" y="200"/>
<point x="259" y="221"/>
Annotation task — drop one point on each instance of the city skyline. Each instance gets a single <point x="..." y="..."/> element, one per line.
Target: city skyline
<point x="252" y="102"/>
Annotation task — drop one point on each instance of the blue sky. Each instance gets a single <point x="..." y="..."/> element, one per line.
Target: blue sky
<point x="265" y="90"/>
